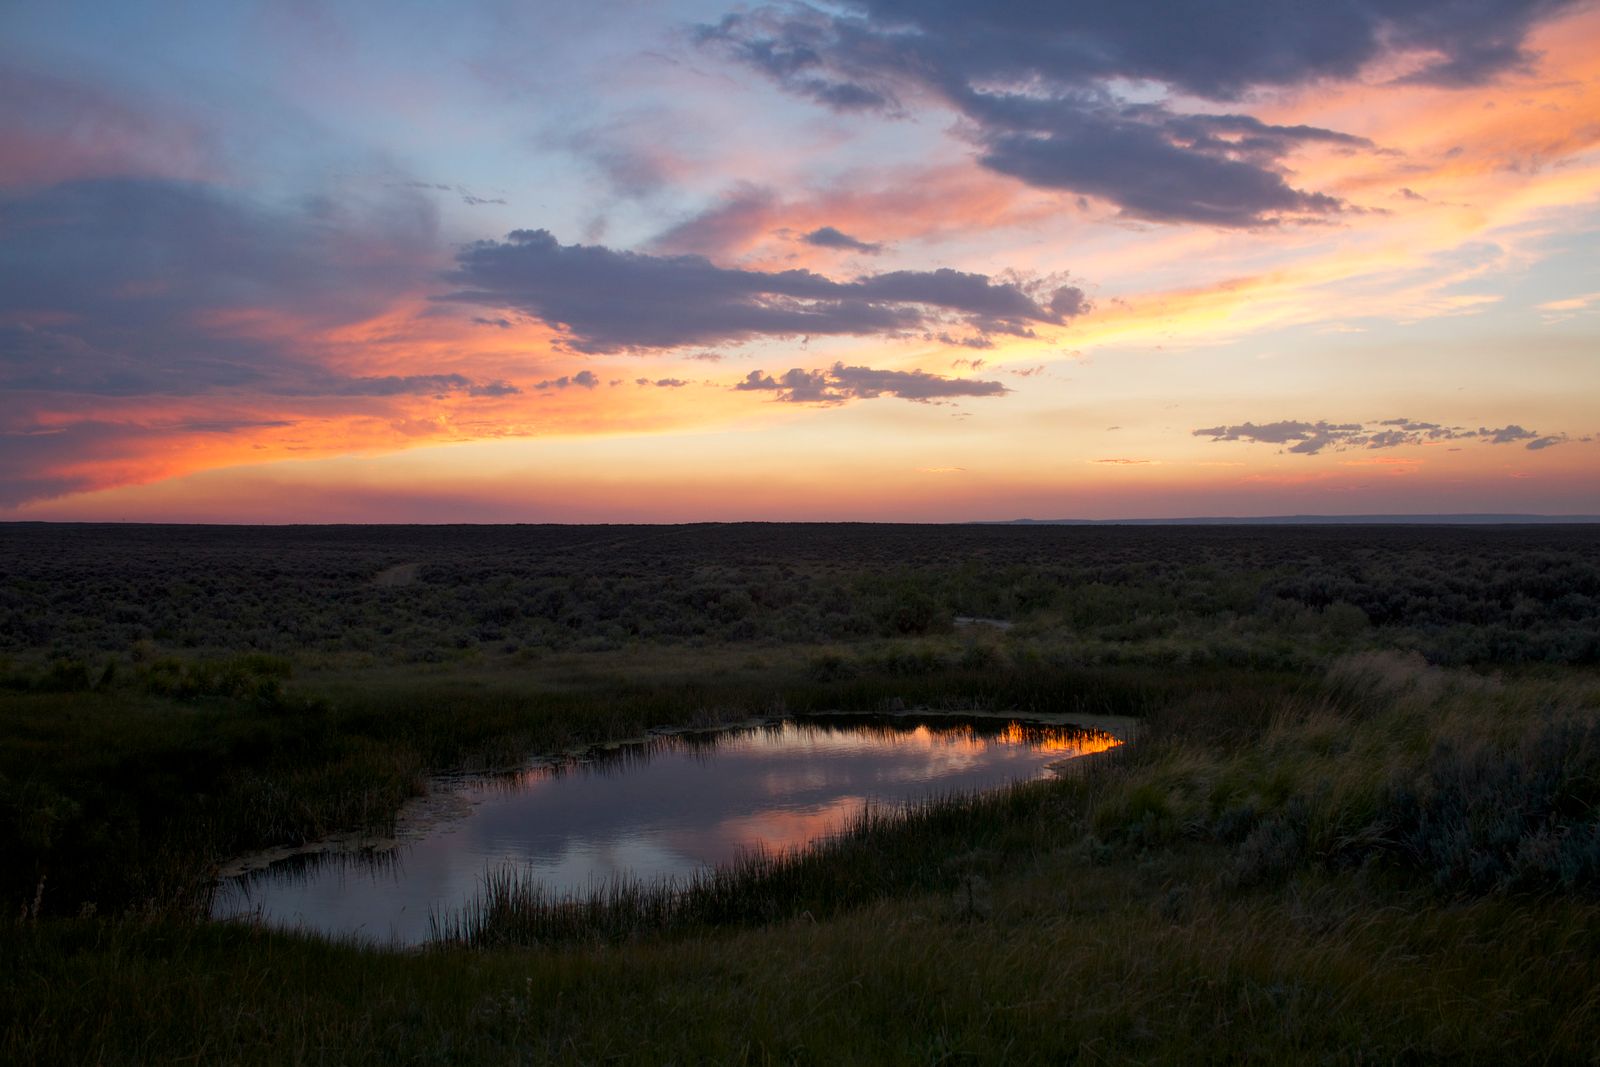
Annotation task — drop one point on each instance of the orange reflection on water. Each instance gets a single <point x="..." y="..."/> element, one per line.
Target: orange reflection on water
<point x="1066" y="740"/>
<point x="960" y="736"/>
<point x="1046" y="739"/>
<point x="784" y="830"/>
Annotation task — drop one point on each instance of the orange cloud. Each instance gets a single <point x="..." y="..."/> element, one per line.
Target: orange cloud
<point x="761" y="229"/>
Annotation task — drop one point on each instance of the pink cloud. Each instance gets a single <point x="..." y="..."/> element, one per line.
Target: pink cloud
<point x="53" y="130"/>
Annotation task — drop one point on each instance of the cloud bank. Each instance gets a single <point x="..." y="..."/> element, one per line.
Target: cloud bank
<point x="137" y="286"/>
<point x="1043" y="89"/>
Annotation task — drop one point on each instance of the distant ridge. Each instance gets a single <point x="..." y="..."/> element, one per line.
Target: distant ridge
<point x="1323" y="520"/>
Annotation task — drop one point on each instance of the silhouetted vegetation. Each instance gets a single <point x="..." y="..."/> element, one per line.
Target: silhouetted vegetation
<point x="1459" y="595"/>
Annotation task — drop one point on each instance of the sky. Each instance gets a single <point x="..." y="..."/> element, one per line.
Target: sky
<point x="933" y="261"/>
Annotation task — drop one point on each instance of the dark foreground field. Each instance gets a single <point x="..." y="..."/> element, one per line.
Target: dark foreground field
<point x="1360" y="823"/>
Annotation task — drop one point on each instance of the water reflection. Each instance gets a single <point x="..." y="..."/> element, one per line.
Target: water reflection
<point x="658" y="809"/>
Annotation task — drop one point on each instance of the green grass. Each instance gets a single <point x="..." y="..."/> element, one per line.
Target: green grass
<point x="1139" y="961"/>
<point x="128" y="795"/>
<point x="951" y="843"/>
<point x="1380" y="862"/>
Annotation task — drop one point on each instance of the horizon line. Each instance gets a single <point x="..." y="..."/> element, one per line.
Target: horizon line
<point x="1310" y="519"/>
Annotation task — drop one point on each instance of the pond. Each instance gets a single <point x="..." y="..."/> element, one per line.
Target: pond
<point x="666" y="807"/>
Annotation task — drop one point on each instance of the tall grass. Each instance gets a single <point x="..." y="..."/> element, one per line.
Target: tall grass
<point x="882" y="852"/>
<point x="1241" y="884"/>
<point x="129" y="796"/>
<point x="1466" y="785"/>
<point x="1477" y="785"/>
<point x="1251" y="881"/>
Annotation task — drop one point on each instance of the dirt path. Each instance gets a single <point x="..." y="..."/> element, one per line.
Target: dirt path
<point x="973" y="620"/>
<point x="403" y="574"/>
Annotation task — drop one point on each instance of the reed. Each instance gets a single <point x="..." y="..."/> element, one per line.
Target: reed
<point x="933" y="845"/>
<point x="128" y="796"/>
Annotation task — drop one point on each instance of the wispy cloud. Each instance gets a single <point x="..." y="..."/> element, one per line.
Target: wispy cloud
<point x="1563" y="310"/>
<point x="460" y="192"/>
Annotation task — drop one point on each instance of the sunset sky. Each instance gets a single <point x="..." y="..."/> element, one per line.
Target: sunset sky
<point x="887" y="260"/>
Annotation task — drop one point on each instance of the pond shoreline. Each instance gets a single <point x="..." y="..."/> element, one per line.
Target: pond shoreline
<point x="452" y="798"/>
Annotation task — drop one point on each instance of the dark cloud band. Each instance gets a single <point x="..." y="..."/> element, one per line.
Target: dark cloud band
<point x="840" y="383"/>
<point x="1310" y="438"/>
<point x="610" y="301"/>
<point x="124" y="287"/>
<point x="829" y="237"/>
<point x="1038" y="83"/>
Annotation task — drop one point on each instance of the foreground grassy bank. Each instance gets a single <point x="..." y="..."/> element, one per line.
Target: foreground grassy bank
<point x="1135" y="960"/>
<point x="1388" y="863"/>
<point x="126" y="795"/>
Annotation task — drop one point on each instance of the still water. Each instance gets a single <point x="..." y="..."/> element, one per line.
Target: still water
<point x="663" y="808"/>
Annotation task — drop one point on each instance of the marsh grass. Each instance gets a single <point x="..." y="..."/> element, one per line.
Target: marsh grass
<point x="1478" y="785"/>
<point x="1468" y="785"/>
<point x="1105" y="970"/>
<point x="130" y="795"/>
<point x="1139" y="956"/>
<point x="1236" y="886"/>
<point x="938" y="844"/>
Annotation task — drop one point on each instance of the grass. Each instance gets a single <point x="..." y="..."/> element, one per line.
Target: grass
<point x="1145" y="961"/>
<point x="1248" y="882"/>
<point x="1320" y="849"/>
<point x="1469" y="785"/>
<point x="942" y="844"/>
<point x="127" y="796"/>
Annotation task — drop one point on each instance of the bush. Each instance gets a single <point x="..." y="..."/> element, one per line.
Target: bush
<point x="1485" y="819"/>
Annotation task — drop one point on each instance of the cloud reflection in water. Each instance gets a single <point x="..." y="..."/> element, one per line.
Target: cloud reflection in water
<point x="659" y="809"/>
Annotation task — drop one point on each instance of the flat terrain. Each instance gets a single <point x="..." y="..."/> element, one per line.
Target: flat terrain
<point x="433" y="593"/>
<point x="1361" y="822"/>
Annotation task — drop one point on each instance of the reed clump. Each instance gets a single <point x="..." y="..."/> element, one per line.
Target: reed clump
<point x="1389" y="767"/>
<point x="881" y="853"/>
<point x="1473" y="784"/>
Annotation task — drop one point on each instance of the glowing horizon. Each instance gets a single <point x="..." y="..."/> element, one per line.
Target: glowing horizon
<point x="344" y="263"/>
